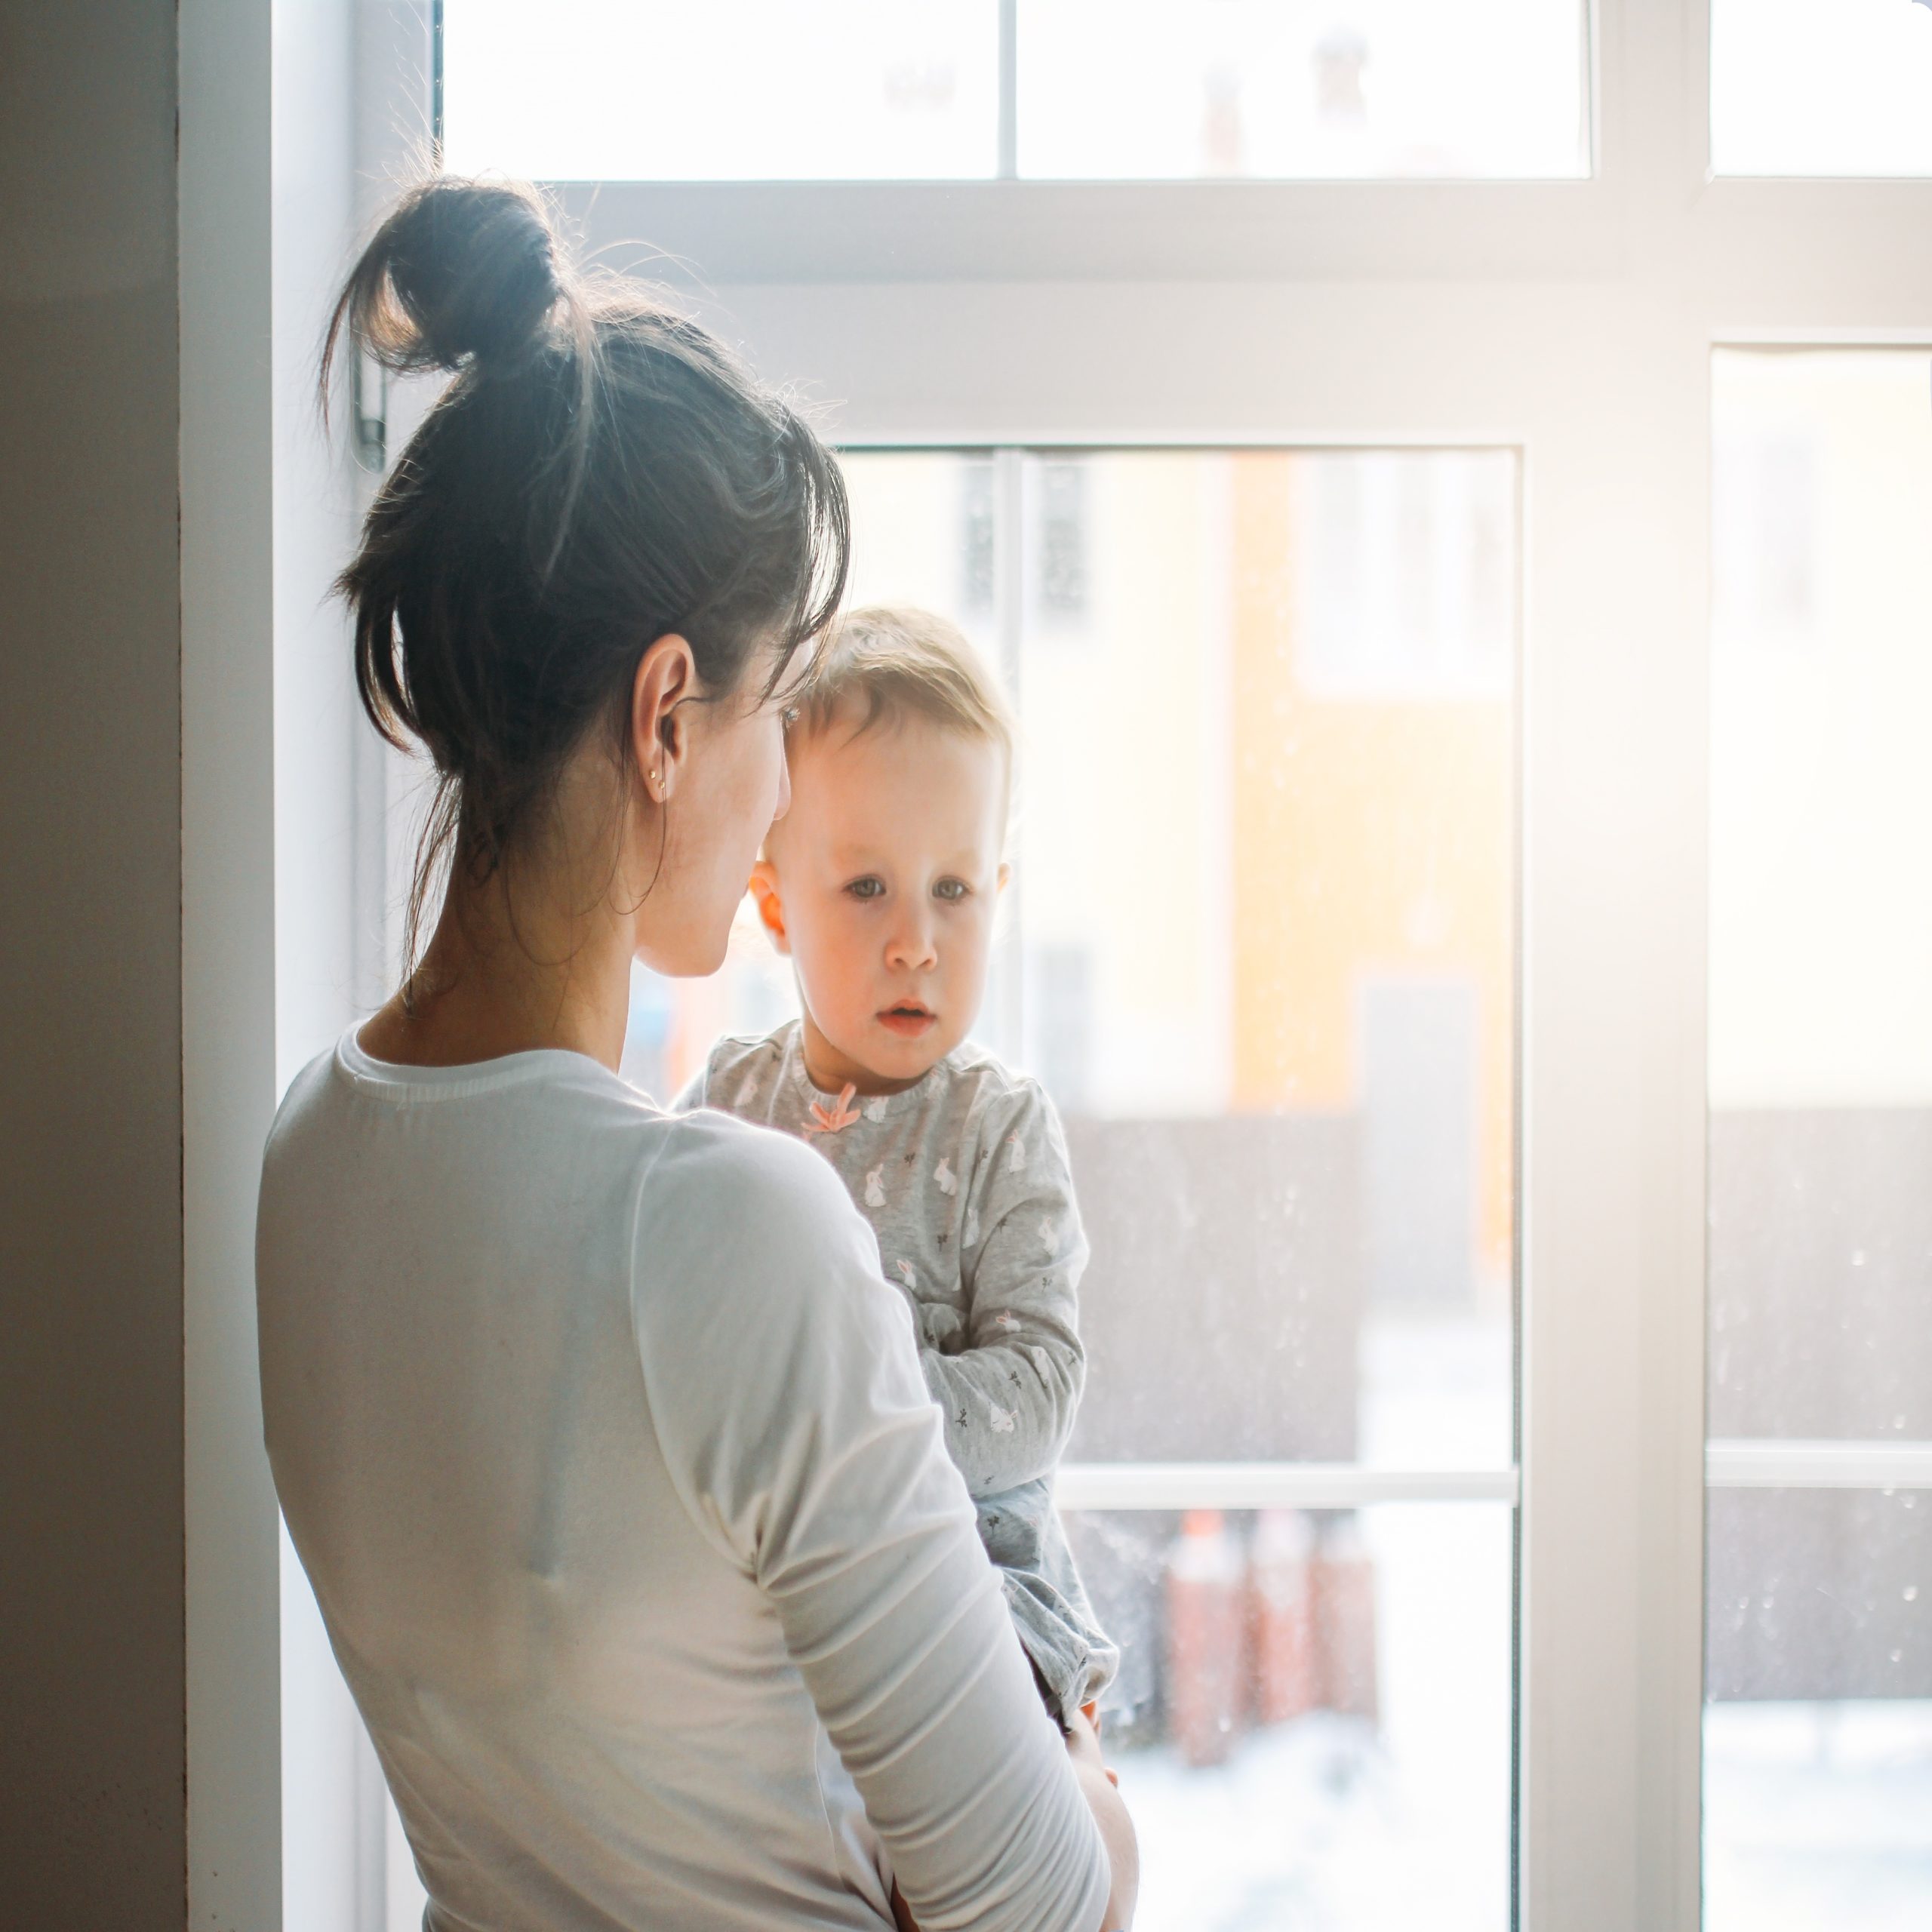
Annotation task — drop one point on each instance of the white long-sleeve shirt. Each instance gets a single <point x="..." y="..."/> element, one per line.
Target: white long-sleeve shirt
<point x="608" y="1453"/>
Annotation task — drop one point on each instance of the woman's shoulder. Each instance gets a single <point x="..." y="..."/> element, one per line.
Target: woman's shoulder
<point x="744" y="1185"/>
<point x="305" y="1097"/>
<point x="744" y="1231"/>
<point x="708" y="1146"/>
<point x="549" y="1107"/>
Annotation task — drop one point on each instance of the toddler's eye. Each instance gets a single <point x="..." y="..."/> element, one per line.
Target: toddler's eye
<point x="954" y="889"/>
<point x="866" y="888"/>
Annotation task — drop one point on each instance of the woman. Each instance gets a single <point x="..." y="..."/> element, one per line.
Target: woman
<point x="602" y="1440"/>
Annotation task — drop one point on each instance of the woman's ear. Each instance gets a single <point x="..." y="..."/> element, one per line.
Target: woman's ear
<point x="666" y="678"/>
<point x="1005" y="873"/>
<point x="770" y="907"/>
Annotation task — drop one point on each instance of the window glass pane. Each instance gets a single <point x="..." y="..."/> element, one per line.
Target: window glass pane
<point x="1820" y="87"/>
<point x="1821" y="918"/>
<point x="1301" y="88"/>
<point x="1821" y="1272"/>
<point x="737" y="90"/>
<point x="1317" y="1710"/>
<point x="1818" y="1730"/>
<point x="1265" y="887"/>
<point x="1818" y="1738"/>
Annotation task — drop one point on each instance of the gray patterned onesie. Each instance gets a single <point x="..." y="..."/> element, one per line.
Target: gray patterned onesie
<point x="963" y="1177"/>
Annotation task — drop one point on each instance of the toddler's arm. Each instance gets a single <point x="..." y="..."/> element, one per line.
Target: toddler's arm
<point x="1010" y="1396"/>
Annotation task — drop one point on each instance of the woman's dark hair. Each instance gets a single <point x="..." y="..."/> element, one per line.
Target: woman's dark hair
<point x="600" y="471"/>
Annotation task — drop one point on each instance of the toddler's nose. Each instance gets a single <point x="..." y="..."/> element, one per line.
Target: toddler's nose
<point x="912" y="948"/>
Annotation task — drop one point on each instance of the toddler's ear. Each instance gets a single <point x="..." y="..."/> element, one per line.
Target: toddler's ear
<point x="770" y="907"/>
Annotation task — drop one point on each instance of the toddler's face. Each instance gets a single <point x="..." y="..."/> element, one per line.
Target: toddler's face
<point x="881" y="884"/>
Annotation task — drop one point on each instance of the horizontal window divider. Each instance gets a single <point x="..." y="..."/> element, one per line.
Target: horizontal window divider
<point x="1271" y="1485"/>
<point x="1769" y="1463"/>
<point x="1793" y="254"/>
<point x="714" y="234"/>
<point x="1166" y="442"/>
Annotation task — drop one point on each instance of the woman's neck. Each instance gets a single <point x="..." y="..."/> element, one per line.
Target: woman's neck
<point x="489" y="985"/>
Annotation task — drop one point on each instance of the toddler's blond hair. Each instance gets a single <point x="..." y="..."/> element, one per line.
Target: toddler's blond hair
<point x="899" y="661"/>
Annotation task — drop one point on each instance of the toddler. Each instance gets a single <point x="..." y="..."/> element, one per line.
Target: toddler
<point x="881" y="883"/>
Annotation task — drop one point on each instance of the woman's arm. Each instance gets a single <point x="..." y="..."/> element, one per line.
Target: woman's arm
<point x="785" y="1390"/>
<point x="1098" y="1786"/>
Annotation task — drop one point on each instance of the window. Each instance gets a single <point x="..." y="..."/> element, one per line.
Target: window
<point x="1525" y="868"/>
<point x="1339" y="88"/>
<point x="750" y="89"/>
<point x="1820" y="87"/>
<point x="1818" y="1729"/>
<point x="733" y="90"/>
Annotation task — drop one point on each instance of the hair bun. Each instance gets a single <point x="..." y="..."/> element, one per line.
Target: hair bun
<point x="460" y="269"/>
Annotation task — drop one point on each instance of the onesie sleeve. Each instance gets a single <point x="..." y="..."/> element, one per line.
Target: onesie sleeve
<point x="783" y="1382"/>
<point x="1010" y="1395"/>
<point x="696" y="1091"/>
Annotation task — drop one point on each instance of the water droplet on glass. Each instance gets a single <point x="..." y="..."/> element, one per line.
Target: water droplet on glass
<point x="1898" y="1656"/>
<point x="1858" y="1257"/>
<point x="1911" y="1593"/>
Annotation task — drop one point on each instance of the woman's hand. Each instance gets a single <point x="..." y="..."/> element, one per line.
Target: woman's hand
<point x="1099" y="1787"/>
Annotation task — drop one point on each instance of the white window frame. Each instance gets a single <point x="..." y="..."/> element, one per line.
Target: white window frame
<point x="1575" y="321"/>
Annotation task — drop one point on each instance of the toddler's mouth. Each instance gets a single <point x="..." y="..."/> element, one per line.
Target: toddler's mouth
<point x="908" y="1018"/>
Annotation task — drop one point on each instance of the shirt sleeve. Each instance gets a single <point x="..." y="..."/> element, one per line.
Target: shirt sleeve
<point x="784" y="1385"/>
<point x="1010" y="1395"/>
